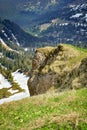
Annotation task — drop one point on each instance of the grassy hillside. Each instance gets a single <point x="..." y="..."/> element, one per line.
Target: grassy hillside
<point x="59" y="111"/>
<point x="61" y="67"/>
<point x="80" y="53"/>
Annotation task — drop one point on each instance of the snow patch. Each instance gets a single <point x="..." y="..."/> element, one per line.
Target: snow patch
<point x="5" y="35"/>
<point x="26" y="49"/>
<point x="21" y="79"/>
<point x="76" y="15"/>
<point x="12" y="91"/>
<point x="15" y="39"/>
<point x="1" y="55"/>
<point x="63" y="24"/>
<point x="4" y="82"/>
<point x="76" y="7"/>
<point x="86" y="17"/>
<point x="3" y="31"/>
<point x="13" y="36"/>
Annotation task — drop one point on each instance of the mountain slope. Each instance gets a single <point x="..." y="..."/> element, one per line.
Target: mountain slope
<point x="66" y="110"/>
<point x="56" y="21"/>
<point x="69" y="25"/>
<point x="11" y="33"/>
<point x="15" y="59"/>
<point x="58" y="68"/>
<point x="13" y="85"/>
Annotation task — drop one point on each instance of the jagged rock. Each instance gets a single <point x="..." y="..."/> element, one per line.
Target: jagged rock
<point x="61" y="67"/>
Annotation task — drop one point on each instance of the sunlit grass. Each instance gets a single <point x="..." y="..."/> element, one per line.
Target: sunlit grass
<point x="82" y="53"/>
<point x="59" y="111"/>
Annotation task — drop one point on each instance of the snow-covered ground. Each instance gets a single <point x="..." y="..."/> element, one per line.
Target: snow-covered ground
<point x="21" y="79"/>
<point x="76" y="15"/>
<point x="4" y="82"/>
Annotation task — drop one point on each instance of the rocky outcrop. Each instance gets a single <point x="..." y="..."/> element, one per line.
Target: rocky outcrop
<point x="62" y="67"/>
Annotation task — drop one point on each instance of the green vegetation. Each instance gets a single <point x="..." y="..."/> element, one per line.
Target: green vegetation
<point x="72" y="54"/>
<point x="4" y="93"/>
<point x="82" y="53"/>
<point x="57" y="111"/>
<point x="81" y="49"/>
<point x="14" y="60"/>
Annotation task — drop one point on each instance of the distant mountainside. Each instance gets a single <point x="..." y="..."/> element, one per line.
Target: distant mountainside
<point x="68" y="26"/>
<point x="11" y="33"/>
<point x="13" y="56"/>
<point x="55" y="21"/>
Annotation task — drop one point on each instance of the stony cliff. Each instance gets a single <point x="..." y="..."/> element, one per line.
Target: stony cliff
<point x="58" y="68"/>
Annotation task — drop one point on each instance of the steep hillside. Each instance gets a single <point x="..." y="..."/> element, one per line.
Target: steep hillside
<point x="59" y="111"/>
<point x="14" y="59"/>
<point x="13" y="85"/>
<point x="14" y="36"/>
<point x="59" y="68"/>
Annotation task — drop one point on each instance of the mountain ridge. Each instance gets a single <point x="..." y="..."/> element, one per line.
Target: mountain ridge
<point x="60" y="68"/>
